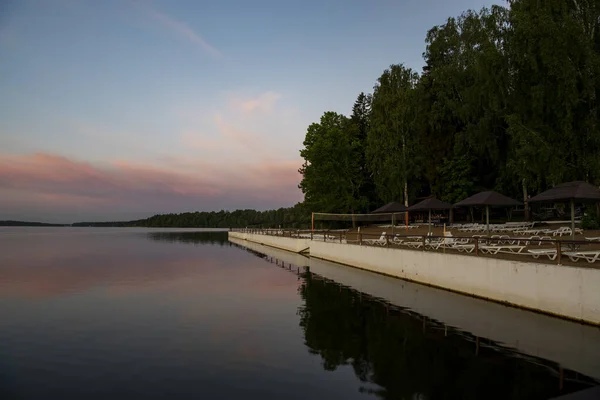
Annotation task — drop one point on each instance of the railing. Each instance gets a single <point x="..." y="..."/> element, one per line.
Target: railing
<point x="536" y="247"/>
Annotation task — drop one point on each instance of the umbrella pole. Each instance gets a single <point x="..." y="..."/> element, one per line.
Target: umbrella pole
<point x="487" y="218"/>
<point x="573" y="218"/>
<point x="393" y="223"/>
<point x="430" y="221"/>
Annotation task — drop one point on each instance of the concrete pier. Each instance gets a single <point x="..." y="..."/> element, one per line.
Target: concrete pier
<point x="567" y="292"/>
<point x="572" y="345"/>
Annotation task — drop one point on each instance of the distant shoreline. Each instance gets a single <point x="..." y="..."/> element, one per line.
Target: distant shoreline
<point x="29" y="223"/>
<point x="292" y="217"/>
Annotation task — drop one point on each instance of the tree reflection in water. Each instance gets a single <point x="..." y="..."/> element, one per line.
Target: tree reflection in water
<point x="408" y="356"/>
<point x="213" y="238"/>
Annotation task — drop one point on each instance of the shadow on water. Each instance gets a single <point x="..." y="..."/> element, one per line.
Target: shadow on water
<point x="212" y="238"/>
<point x="399" y="354"/>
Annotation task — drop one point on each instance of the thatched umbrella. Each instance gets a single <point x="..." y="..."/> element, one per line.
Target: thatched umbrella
<point x="488" y="199"/>
<point x="392" y="207"/>
<point x="430" y="204"/>
<point x="570" y="191"/>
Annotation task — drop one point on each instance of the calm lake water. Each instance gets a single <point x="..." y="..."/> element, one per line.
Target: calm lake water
<point x="92" y="313"/>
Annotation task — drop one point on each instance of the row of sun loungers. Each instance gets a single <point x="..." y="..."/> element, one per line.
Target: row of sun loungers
<point x="502" y="244"/>
<point x="522" y="230"/>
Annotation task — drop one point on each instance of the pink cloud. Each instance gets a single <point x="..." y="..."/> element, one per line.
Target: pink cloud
<point x="265" y="102"/>
<point x="52" y="182"/>
<point x="232" y="133"/>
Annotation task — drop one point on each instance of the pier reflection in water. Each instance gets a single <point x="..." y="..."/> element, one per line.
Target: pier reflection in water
<point x="400" y="354"/>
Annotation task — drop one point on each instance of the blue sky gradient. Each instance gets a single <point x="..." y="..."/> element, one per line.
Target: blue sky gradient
<point x="214" y="97"/>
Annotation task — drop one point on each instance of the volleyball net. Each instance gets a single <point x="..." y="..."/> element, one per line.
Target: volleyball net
<point x="391" y="219"/>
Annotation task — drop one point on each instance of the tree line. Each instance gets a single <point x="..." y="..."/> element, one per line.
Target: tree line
<point x="27" y="223"/>
<point x="291" y="217"/>
<point x="507" y="100"/>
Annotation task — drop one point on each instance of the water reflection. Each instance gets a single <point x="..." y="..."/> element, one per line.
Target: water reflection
<point x="399" y="354"/>
<point x="213" y="238"/>
<point x="62" y="261"/>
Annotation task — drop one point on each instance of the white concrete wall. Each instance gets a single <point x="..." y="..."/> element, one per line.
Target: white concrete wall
<point x="572" y="292"/>
<point x="286" y="243"/>
<point x="574" y="346"/>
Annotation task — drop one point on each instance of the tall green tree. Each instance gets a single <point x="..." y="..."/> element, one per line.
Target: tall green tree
<point x="361" y="123"/>
<point x="392" y="144"/>
<point x="554" y="61"/>
<point x="331" y="174"/>
<point x="463" y="96"/>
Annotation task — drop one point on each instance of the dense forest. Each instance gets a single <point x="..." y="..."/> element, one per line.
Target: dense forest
<point x="292" y="217"/>
<point x="506" y="101"/>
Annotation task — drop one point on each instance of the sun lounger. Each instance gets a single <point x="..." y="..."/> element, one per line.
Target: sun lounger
<point x="501" y="239"/>
<point x="512" y="249"/>
<point x="533" y="231"/>
<point x="550" y="253"/>
<point x="450" y="242"/>
<point x="533" y="240"/>
<point x="593" y="239"/>
<point x="467" y="248"/>
<point x="381" y="241"/>
<point x="590" y="256"/>
<point x="414" y="245"/>
<point x="397" y="240"/>
<point x="562" y="231"/>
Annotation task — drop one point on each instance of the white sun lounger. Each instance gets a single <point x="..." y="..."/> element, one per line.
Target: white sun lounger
<point x="414" y="245"/>
<point x="593" y="239"/>
<point x="467" y="248"/>
<point x="449" y="242"/>
<point x="533" y="240"/>
<point x="562" y="231"/>
<point x="513" y="249"/>
<point x="550" y="253"/>
<point x="533" y="231"/>
<point x="590" y="256"/>
<point x="381" y="241"/>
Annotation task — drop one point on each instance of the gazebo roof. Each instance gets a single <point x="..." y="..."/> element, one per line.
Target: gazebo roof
<point x="488" y="198"/>
<point x="391" y="207"/>
<point x="430" y="204"/>
<point x="576" y="190"/>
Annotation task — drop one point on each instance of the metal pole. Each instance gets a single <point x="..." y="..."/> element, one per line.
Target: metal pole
<point x="393" y="223"/>
<point x="487" y="218"/>
<point x="430" y="220"/>
<point x="573" y="218"/>
<point x="313" y="222"/>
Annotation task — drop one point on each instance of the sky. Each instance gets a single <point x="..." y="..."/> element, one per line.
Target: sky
<point x="122" y="109"/>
